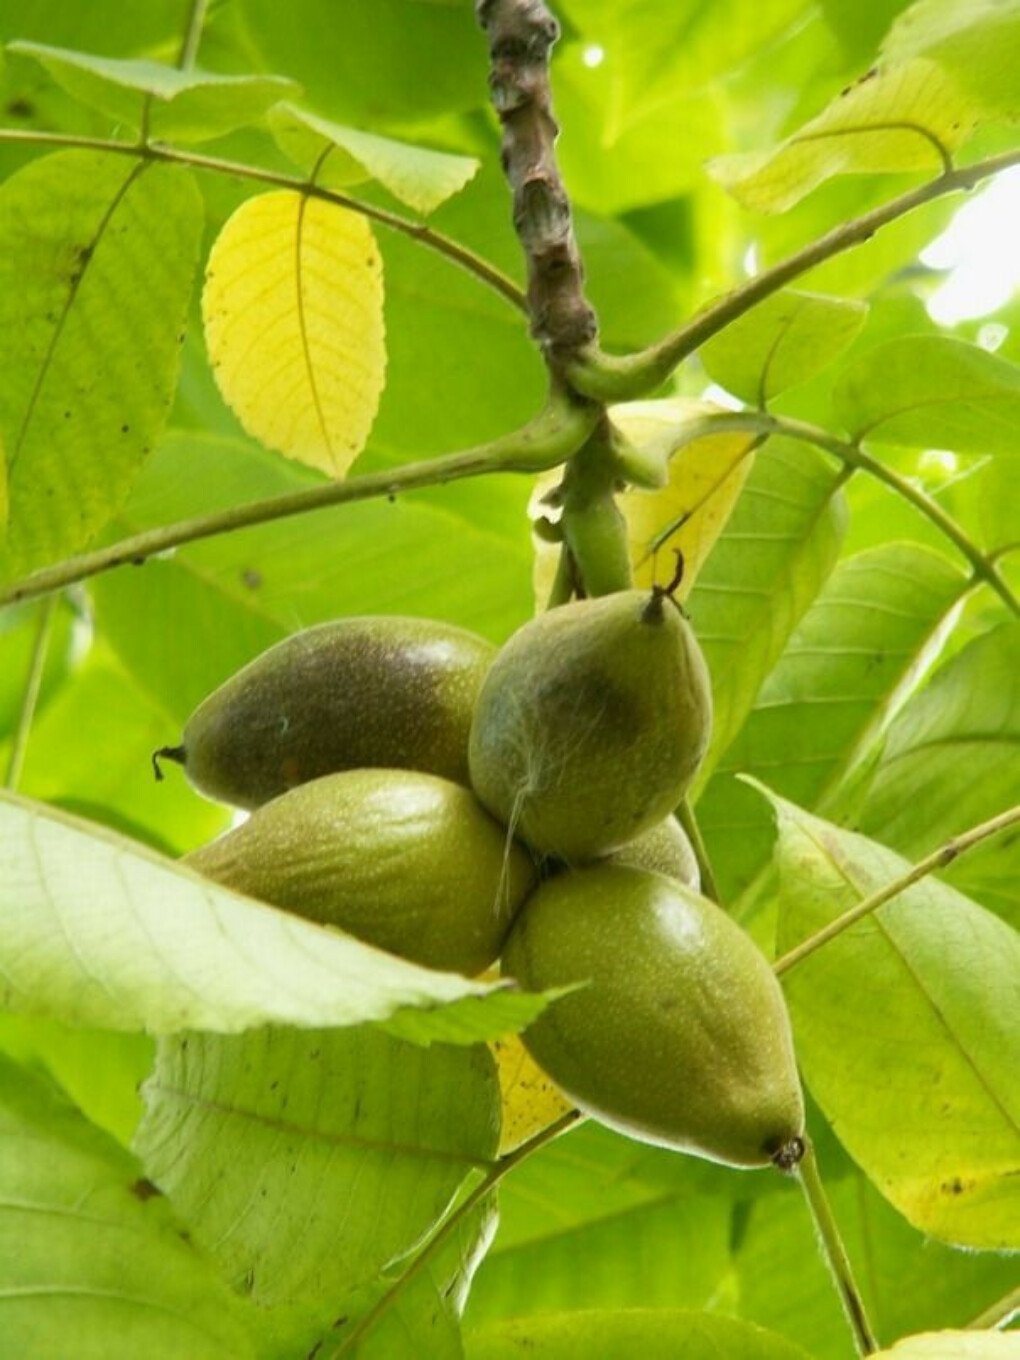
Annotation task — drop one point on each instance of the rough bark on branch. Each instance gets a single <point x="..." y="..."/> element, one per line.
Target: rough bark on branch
<point x="521" y="34"/>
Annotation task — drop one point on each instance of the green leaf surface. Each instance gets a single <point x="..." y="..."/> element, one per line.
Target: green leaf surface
<point x="930" y="391"/>
<point x="369" y="68"/>
<point x="978" y="43"/>
<point x="88" y="1252"/>
<point x="851" y="661"/>
<point x="90" y="753"/>
<point x="901" y="117"/>
<point x="777" y="548"/>
<point x="418" y="1313"/>
<point x="97" y="259"/>
<point x="654" y="1334"/>
<point x="305" y="1162"/>
<point x="907" y="1031"/>
<point x="19" y="626"/>
<point x="951" y="761"/>
<point x="783" y="341"/>
<point x="189" y="106"/>
<point x="907" y="1280"/>
<point x="184" y="624"/>
<point x="339" y="156"/>
<point x="97" y="930"/>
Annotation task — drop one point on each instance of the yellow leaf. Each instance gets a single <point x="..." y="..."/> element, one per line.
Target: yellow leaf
<point x="531" y="1100"/>
<point x="293" y="313"/>
<point x="706" y="475"/>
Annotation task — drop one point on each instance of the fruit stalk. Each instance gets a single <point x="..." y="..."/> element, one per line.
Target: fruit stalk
<point x="833" y="1250"/>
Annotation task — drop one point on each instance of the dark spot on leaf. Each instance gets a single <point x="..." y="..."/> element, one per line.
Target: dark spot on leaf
<point x="251" y="578"/>
<point x="144" y="1189"/>
<point x="20" y="108"/>
<point x="340" y="1322"/>
<point x="125" y="429"/>
<point x="273" y="1085"/>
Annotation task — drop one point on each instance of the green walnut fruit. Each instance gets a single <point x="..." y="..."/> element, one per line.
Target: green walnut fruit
<point x="591" y="723"/>
<point x="403" y="860"/>
<point x="379" y="692"/>
<point x="680" y="1035"/>
<point x="664" y="849"/>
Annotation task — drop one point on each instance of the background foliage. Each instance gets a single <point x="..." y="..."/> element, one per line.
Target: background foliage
<point x="852" y="589"/>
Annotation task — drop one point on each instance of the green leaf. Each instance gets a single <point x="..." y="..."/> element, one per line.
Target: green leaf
<point x="305" y="1162"/>
<point x="930" y="391"/>
<point x="108" y="777"/>
<point x="88" y="1252"/>
<point x="189" y="106"/>
<point x="339" y="156"/>
<point x="97" y="930"/>
<point x="369" y="68"/>
<point x="97" y="258"/>
<point x="977" y="43"/>
<point x="776" y="550"/>
<point x="905" y="116"/>
<point x="654" y="1334"/>
<point x="422" y="1316"/>
<point x="850" y="663"/>
<point x="906" y="1030"/>
<point x="951" y="761"/>
<point x="783" y="341"/>
<point x="955" y="1346"/>
<point x="907" y="1280"/>
<point x="235" y="595"/>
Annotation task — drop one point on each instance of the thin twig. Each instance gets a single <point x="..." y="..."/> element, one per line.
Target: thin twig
<point x="997" y="1315"/>
<point x="547" y="440"/>
<point x="689" y="822"/>
<point x="834" y="1251"/>
<point x="492" y="1178"/>
<point x="418" y="231"/>
<point x="938" y="859"/>
<point x="610" y="378"/>
<point x="30" y="695"/>
<point x="192" y="35"/>
<point x="853" y="456"/>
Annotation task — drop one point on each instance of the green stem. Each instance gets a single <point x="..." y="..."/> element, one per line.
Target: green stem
<point x="834" y="1251"/>
<point x="593" y="527"/>
<point x="549" y="439"/>
<point x="30" y="697"/>
<point x="485" y="1187"/>
<point x="685" y="816"/>
<point x="418" y="231"/>
<point x="563" y="582"/>
<point x="854" y="457"/>
<point x="192" y="35"/>
<point x="611" y="378"/>
<point x="999" y="1314"/>
<point x="938" y="859"/>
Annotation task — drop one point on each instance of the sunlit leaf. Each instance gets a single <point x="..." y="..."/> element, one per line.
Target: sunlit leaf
<point x="654" y="1334"/>
<point x="531" y="1101"/>
<point x="339" y="156"/>
<point x="97" y="258"/>
<point x="932" y="391"/>
<point x="96" y="929"/>
<point x="186" y="105"/>
<point x="293" y="320"/>
<point x="783" y="341"/>
<point x="702" y="477"/>
<point x="768" y="565"/>
<point x="954" y="1346"/>
<point x="905" y="116"/>
<point x="979" y="43"/>
<point x="851" y="662"/>
<point x="951" y="761"/>
<point x="307" y="1161"/>
<point x="908" y="1031"/>
<point x="91" y="1262"/>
